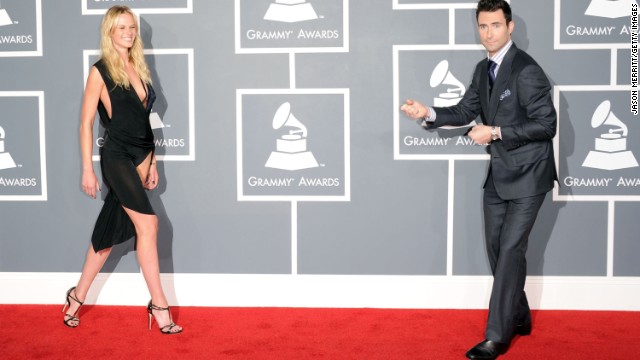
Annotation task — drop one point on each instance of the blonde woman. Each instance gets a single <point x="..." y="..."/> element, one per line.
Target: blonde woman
<point x="119" y="88"/>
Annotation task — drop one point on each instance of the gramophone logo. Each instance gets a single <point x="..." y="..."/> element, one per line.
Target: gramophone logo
<point x="443" y="79"/>
<point x="611" y="9"/>
<point x="290" y="11"/>
<point x="5" y="19"/>
<point x="455" y="89"/>
<point x="291" y="148"/>
<point x="6" y="161"/>
<point x="611" y="147"/>
<point x="156" y="121"/>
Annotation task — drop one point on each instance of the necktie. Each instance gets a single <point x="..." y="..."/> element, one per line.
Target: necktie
<point x="492" y="75"/>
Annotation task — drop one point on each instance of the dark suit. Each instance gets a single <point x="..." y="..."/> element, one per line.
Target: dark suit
<point x="521" y="172"/>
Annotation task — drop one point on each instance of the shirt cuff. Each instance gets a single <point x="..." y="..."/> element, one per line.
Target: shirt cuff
<point x="428" y="121"/>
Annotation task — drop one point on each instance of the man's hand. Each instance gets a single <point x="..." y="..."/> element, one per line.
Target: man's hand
<point x="414" y="109"/>
<point x="480" y="134"/>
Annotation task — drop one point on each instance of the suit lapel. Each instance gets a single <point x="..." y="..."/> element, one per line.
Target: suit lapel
<point x="500" y="85"/>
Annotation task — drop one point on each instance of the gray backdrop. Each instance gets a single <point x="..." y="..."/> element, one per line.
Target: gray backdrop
<point x="375" y="205"/>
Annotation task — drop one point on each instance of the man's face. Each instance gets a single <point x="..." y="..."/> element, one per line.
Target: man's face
<point x="494" y="31"/>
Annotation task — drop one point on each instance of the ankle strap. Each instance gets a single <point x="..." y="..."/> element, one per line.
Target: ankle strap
<point x="154" y="307"/>
<point x="75" y="298"/>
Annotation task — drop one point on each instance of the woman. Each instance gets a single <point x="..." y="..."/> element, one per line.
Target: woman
<point x="119" y="88"/>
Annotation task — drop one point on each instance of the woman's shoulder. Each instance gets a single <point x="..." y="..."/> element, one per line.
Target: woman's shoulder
<point x="100" y="65"/>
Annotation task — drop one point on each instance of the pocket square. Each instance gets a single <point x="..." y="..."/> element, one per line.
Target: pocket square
<point x="505" y="94"/>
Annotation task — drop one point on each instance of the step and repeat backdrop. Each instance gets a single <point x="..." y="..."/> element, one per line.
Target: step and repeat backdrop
<point x="288" y="175"/>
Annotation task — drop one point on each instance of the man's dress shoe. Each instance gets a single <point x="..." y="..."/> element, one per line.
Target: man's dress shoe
<point x="487" y="350"/>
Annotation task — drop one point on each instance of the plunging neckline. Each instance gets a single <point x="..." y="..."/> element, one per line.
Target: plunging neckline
<point x="135" y="93"/>
<point x="143" y="101"/>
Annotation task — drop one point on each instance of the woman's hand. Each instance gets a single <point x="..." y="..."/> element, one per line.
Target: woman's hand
<point x="153" y="177"/>
<point x="90" y="183"/>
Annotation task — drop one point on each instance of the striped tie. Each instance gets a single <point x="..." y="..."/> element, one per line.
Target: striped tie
<point x="492" y="75"/>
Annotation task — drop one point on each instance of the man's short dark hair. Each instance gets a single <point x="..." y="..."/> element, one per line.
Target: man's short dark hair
<point x="494" y="5"/>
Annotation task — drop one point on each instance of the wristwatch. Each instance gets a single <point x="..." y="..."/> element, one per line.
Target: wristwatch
<point x="494" y="133"/>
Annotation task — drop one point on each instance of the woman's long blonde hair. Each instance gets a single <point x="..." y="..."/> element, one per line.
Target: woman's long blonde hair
<point x="112" y="60"/>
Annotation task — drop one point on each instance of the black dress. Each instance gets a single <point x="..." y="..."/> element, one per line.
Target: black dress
<point x="128" y="141"/>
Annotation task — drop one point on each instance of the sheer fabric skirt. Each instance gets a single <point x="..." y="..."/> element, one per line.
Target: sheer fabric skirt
<point x="113" y="225"/>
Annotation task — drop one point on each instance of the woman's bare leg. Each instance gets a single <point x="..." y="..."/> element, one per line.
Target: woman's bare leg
<point x="92" y="265"/>
<point x="147" y="253"/>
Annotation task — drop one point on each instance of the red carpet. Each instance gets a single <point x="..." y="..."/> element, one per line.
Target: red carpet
<point x="110" y="332"/>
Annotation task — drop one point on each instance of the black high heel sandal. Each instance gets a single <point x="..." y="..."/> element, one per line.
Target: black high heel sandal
<point x="68" y="318"/>
<point x="165" y="329"/>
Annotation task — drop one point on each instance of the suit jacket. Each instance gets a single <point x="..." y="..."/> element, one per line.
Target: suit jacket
<point x="522" y="163"/>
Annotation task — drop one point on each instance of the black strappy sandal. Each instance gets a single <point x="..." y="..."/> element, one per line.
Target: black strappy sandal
<point x="69" y="318"/>
<point x="165" y="329"/>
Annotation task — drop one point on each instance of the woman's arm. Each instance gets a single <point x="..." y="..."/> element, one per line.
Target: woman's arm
<point x="95" y="85"/>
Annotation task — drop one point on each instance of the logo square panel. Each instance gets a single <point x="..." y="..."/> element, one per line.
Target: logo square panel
<point x="436" y="76"/>
<point x="293" y="145"/>
<point x="286" y="26"/>
<point x="98" y="7"/>
<point x="172" y="117"/>
<point x="20" y="28"/>
<point x="598" y="142"/>
<point x="23" y="175"/>
<point x="593" y="24"/>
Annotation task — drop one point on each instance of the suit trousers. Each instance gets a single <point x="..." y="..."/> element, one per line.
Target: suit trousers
<point x="508" y="224"/>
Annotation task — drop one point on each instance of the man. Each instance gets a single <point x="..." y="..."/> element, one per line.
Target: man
<point x="511" y="94"/>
